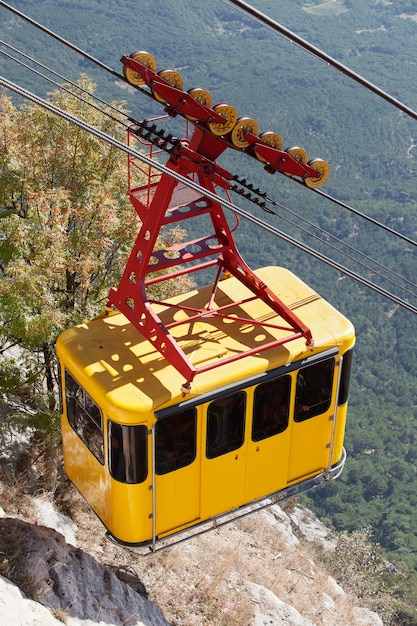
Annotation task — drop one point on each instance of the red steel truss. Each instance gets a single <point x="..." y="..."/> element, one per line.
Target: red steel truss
<point x="163" y="201"/>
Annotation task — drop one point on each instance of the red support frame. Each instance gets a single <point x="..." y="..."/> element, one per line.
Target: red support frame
<point x="179" y="102"/>
<point x="160" y="202"/>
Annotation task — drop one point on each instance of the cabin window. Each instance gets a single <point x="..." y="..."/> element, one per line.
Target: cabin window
<point x="85" y="417"/>
<point x="345" y="378"/>
<point x="226" y="424"/>
<point x="271" y="408"/>
<point x="128" y="458"/>
<point x="175" y="441"/>
<point x="314" y="390"/>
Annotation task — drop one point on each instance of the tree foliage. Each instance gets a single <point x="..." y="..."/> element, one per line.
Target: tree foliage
<point x="359" y="565"/>
<point x="66" y="223"/>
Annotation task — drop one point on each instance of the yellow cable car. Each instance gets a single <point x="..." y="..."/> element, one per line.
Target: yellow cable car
<point x="183" y="413"/>
<point x="153" y="462"/>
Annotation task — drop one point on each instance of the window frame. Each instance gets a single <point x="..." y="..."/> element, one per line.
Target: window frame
<point x="228" y="440"/>
<point x="181" y="455"/>
<point x="323" y="405"/>
<point x="125" y="463"/>
<point x="82" y="413"/>
<point x="276" y="426"/>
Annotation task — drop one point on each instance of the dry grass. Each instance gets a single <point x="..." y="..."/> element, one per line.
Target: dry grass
<point x="205" y="581"/>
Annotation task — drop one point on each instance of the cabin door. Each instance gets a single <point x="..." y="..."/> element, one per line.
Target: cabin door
<point x="177" y="472"/>
<point x="223" y="455"/>
<point x="312" y="430"/>
<point x="269" y="439"/>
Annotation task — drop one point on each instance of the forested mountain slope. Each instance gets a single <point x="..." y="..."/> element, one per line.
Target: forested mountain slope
<point x="370" y="147"/>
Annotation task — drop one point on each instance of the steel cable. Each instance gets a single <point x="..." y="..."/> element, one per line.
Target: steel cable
<point x="212" y="196"/>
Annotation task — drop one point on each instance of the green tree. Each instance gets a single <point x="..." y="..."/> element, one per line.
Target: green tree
<point x="66" y="224"/>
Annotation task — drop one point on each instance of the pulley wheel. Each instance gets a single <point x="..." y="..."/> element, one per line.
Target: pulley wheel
<point x="243" y="125"/>
<point x="173" y="78"/>
<point x="202" y="96"/>
<point x="271" y="139"/>
<point x="230" y="115"/>
<point x="323" y="170"/>
<point x="299" y="154"/>
<point x="145" y="59"/>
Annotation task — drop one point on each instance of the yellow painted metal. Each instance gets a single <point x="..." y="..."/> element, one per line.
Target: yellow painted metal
<point x="222" y="480"/>
<point x="267" y="463"/>
<point x="323" y="169"/>
<point x="230" y="115"/>
<point x="129" y="380"/>
<point x="340" y="426"/>
<point x="145" y="59"/>
<point x="178" y="498"/>
<point x="309" y="447"/>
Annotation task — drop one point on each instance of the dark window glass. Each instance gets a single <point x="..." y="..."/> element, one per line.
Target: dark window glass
<point x="93" y="411"/>
<point x="345" y="379"/>
<point x="128" y="457"/>
<point x="314" y="390"/>
<point x="225" y="424"/>
<point x="175" y="441"/>
<point x="71" y="384"/>
<point x="85" y="417"/>
<point x="271" y="408"/>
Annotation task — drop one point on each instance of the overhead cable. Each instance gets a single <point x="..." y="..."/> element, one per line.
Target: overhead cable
<point x="294" y="214"/>
<point x="68" y="44"/>
<point x="282" y="31"/>
<point x="264" y="19"/>
<point x="369" y="219"/>
<point x="384" y="269"/>
<point x="51" y="71"/>
<point x="60" y="39"/>
<point x="382" y="274"/>
<point x="63" y="88"/>
<point x="190" y="183"/>
<point x="289" y="35"/>
<point x="106" y="104"/>
<point x="302" y="43"/>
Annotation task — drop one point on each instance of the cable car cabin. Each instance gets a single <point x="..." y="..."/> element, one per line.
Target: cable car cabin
<point x="152" y="462"/>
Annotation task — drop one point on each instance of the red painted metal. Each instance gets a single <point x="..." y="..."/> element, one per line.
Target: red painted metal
<point x="279" y="160"/>
<point x="163" y="201"/>
<point x="180" y="102"/>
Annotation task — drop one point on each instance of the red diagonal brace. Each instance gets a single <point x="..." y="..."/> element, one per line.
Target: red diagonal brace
<point x="146" y="263"/>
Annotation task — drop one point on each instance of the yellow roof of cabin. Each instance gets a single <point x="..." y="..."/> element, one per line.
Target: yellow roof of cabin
<point x="123" y="372"/>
